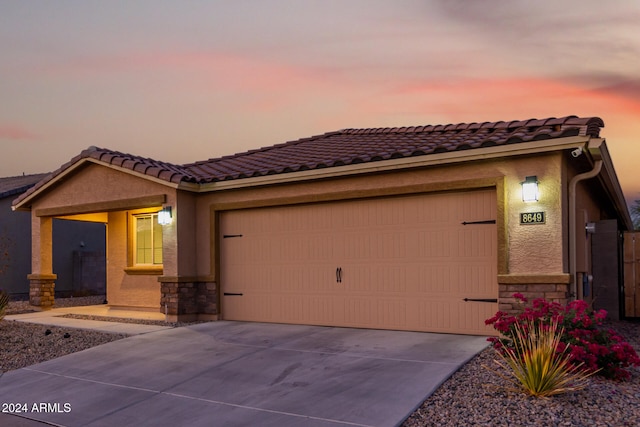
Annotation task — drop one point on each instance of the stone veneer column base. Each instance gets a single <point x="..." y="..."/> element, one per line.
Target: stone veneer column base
<point x="187" y="299"/>
<point x="41" y="290"/>
<point x="552" y="287"/>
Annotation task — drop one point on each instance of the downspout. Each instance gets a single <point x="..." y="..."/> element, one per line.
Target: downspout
<point x="597" y="166"/>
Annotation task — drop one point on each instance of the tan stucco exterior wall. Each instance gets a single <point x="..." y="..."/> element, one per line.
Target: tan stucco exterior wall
<point x="187" y="233"/>
<point x="587" y="211"/>
<point x="536" y="249"/>
<point x="41" y="244"/>
<point x="96" y="184"/>
<point x="126" y="289"/>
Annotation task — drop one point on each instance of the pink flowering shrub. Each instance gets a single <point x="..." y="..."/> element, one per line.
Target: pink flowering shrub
<point x="589" y="343"/>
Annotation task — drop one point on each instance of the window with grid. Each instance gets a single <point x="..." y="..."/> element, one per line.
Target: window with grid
<point x="148" y="240"/>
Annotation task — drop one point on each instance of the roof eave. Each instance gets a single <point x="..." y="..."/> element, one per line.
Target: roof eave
<point x="25" y="203"/>
<point x="609" y="180"/>
<point x="452" y="157"/>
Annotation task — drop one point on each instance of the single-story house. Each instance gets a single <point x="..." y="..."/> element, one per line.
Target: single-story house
<point x="425" y="228"/>
<point x="78" y="253"/>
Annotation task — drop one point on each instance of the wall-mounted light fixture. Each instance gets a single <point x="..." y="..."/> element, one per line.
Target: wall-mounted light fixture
<point x="530" y="189"/>
<point x="164" y="216"/>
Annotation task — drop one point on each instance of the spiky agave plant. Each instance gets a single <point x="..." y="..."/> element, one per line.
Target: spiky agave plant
<point x="536" y="364"/>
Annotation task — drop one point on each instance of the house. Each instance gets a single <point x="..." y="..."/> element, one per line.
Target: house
<point x="78" y="255"/>
<point x="426" y="228"/>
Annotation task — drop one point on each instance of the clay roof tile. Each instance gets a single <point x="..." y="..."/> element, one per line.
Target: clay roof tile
<point x="343" y="147"/>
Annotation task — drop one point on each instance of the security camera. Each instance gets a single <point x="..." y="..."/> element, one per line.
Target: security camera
<point x="577" y="152"/>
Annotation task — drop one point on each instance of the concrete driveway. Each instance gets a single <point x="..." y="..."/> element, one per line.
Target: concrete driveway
<point x="241" y="374"/>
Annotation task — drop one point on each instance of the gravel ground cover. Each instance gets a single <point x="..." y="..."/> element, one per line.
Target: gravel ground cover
<point x="473" y="396"/>
<point x="25" y="344"/>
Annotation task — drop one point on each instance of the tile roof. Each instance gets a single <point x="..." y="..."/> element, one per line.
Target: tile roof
<point x="351" y="146"/>
<point x="12" y="185"/>
<point x="162" y="170"/>
<point x="344" y="147"/>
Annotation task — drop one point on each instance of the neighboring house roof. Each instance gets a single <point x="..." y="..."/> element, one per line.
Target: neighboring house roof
<point x="12" y="185"/>
<point x="343" y="147"/>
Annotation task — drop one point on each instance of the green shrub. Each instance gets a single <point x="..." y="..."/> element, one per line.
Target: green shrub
<point x="537" y="365"/>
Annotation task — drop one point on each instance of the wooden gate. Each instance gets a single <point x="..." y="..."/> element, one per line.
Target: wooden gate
<point x="632" y="274"/>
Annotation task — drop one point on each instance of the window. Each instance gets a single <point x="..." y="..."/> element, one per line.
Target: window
<point x="148" y="240"/>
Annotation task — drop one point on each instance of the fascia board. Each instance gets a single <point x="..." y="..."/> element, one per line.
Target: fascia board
<point x="610" y="182"/>
<point x="519" y="149"/>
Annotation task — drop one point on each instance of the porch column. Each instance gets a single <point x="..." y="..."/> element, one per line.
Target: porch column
<point x="186" y="299"/>
<point x="185" y="294"/>
<point x="42" y="279"/>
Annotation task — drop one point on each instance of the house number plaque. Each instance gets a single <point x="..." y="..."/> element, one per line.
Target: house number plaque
<point x="532" y="218"/>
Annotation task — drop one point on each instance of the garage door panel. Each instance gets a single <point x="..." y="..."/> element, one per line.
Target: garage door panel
<point x="407" y="263"/>
<point x="392" y="314"/>
<point x="442" y="314"/>
<point x="436" y="244"/>
<point x="357" y="312"/>
<point x="476" y="241"/>
<point x="319" y="308"/>
<point x="435" y="314"/>
<point x="379" y="278"/>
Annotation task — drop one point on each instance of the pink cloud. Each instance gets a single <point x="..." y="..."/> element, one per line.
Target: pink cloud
<point x="496" y="99"/>
<point x="265" y="82"/>
<point x="256" y="83"/>
<point x="216" y="68"/>
<point x="16" y="133"/>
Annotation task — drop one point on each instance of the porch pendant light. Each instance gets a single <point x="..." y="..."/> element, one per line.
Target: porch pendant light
<point x="164" y="216"/>
<point x="530" y="189"/>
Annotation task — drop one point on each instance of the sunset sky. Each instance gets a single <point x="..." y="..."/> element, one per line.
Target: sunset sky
<point x="188" y="80"/>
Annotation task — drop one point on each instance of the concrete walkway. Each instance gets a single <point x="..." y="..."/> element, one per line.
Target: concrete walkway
<point x="53" y="317"/>
<point x="241" y="374"/>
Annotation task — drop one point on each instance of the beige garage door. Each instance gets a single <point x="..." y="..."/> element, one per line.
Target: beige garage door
<point x="405" y="263"/>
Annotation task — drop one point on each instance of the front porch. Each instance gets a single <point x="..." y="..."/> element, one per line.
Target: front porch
<point x="146" y="269"/>
<point x="101" y="318"/>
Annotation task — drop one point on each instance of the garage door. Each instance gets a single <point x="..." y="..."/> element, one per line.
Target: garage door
<point x="405" y="263"/>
